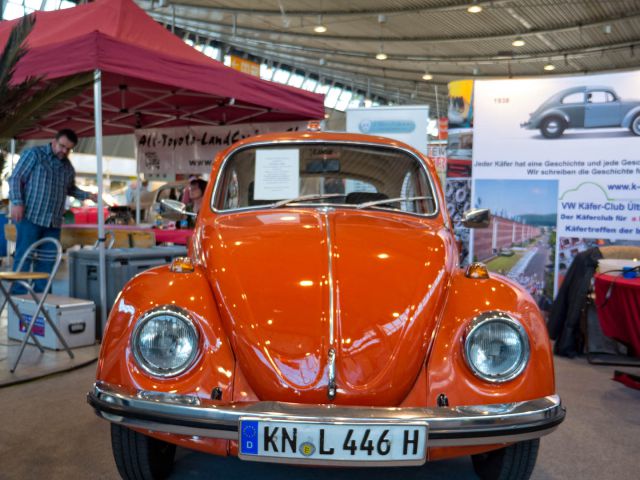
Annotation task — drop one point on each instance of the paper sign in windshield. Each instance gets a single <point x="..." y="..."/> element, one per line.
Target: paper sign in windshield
<point x="277" y="175"/>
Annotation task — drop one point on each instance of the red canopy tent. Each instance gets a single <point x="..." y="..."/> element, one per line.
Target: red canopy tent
<point x="150" y="78"/>
<point x="144" y="77"/>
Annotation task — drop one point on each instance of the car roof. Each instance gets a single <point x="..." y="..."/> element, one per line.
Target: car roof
<point x="326" y="136"/>
<point x="582" y="88"/>
<point x="598" y="87"/>
<point x="568" y="91"/>
<point x="556" y="97"/>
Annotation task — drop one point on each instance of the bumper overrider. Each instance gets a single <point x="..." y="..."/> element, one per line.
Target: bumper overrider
<point x="447" y="426"/>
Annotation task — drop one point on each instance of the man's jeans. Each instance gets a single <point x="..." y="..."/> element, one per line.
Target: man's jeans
<point x="27" y="234"/>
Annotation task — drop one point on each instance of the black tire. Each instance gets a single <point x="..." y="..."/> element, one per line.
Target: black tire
<point x="139" y="457"/>
<point x="634" y="126"/>
<point x="552" y="127"/>
<point x="514" y="462"/>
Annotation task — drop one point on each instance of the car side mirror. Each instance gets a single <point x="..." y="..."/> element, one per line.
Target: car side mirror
<point x="177" y="206"/>
<point x="476" y="218"/>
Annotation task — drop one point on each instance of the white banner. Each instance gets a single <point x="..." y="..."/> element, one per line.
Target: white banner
<point x="582" y="131"/>
<point x="406" y="123"/>
<point x="577" y="136"/>
<point x="165" y="152"/>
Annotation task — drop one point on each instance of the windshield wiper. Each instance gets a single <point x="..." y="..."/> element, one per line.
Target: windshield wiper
<point x="303" y="198"/>
<point x="391" y="200"/>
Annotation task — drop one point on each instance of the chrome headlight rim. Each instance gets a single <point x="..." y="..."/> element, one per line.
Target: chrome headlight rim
<point x="500" y="317"/>
<point x="170" y="310"/>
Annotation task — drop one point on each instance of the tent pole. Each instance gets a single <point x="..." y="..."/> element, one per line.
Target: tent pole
<point x="102" y="271"/>
<point x="138" y="190"/>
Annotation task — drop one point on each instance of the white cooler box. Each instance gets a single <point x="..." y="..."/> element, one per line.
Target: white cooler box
<point x="74" y="317"/>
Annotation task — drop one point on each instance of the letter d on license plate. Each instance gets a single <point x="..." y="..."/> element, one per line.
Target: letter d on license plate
<point x="290" y="441"/>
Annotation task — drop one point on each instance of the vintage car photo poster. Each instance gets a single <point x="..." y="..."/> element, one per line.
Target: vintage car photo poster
<point x="582" y="132"/>
<point x="593" y="118"/>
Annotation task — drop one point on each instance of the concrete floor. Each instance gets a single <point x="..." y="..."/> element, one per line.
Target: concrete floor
<point x="48" y="431"/>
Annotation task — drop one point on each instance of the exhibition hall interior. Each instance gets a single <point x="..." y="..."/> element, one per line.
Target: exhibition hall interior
<point x="320" y="240"/>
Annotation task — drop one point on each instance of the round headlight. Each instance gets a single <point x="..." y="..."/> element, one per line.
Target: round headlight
<point x="496" y="347"/>
<point x="165" y="341"/>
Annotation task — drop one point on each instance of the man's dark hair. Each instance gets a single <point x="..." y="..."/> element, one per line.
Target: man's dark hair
<point x="70" y="134"/>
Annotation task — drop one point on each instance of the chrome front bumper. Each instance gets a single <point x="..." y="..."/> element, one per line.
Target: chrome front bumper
<point x="447" y="426"/>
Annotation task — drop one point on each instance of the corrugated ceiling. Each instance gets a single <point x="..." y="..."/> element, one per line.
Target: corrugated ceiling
<point x="440" y="36"/>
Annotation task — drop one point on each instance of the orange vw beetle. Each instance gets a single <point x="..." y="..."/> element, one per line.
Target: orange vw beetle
<point x="322" y="319"/>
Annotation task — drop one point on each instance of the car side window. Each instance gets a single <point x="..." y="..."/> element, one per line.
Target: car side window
<point x="600" y="96"/>
<point x="573" y="98"/>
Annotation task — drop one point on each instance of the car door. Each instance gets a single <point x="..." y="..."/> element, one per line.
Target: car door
<point x="602" y="109"/>
<point x="573" y="105"/>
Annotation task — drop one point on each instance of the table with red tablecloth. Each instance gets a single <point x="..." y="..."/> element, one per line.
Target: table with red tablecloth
<point x="87" y="234"/>
<point x="618" y="306"/>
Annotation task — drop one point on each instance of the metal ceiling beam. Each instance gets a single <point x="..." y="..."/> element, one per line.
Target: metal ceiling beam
<point x="277" y="12"/>
<point x="309" y="62"/>
<point x="465" y="60"/>
<point x="448" y="59"/>
<point x="378" y="71"/>
<point x="335" y="74"/>
<point x="541" y="35"/>
<point x="423" y="40"/>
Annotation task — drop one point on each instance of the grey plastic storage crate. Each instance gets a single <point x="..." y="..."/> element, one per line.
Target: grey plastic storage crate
<point x="122" y="265"/>
<point x="74" y="318"/>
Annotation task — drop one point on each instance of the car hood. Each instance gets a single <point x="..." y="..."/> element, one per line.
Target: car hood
<point x="285" y="302"/>
<point x="544" y="106"/>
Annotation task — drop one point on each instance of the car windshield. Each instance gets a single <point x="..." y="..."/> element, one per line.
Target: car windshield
<point x="356" y="176"/>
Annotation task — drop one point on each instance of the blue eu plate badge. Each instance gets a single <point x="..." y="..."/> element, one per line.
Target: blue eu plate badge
<point x="249" y="437"/>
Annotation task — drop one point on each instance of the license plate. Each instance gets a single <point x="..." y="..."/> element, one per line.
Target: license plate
<point x="332" y="444"/>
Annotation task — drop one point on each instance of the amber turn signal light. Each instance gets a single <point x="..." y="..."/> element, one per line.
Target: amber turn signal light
<point x="182" y="265"/>
<point x="314" y="126"/>
<point x="477" y="270"/>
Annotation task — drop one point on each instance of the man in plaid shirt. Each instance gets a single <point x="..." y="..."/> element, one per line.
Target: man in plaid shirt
<point x="39" y="186"/>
